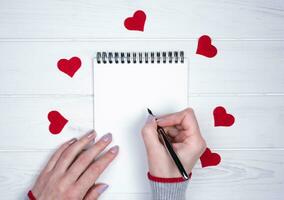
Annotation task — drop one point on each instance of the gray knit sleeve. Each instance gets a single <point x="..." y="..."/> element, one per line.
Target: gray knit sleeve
<point x="168" y="191"/>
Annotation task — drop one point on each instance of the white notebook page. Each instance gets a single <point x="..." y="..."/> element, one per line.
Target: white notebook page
<point x="122" y="94"/>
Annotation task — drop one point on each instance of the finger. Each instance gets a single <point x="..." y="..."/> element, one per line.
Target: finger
<point x="181" y="137"/>
<point x="54" y="158"/>
<point x="185" y="118"/>
<point x="150" y="134"/>
<point x="96" y="191"/>
<point x="175" y="135"/>
<point x="171" y="131"/>
<point x="68" y="156"/>
<point x="179" y="127"/>
<point x="88" y="178"/>
<point x="88" y="156"/>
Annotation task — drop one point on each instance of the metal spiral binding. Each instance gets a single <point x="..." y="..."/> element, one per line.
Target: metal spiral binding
<point x="140" y="57"/>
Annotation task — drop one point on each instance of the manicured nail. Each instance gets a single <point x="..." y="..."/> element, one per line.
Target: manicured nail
<point x="72" y="141"/>
<point x="114" y="149"/>
<point x="160" y="120"/>
<point x="91" y="134"/>
<point x="150" y="118"/>
<point x="107" y="137"/>
<point x="102" y="188"/>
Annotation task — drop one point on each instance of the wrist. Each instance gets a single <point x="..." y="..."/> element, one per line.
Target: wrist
<point x="159" y="179"/>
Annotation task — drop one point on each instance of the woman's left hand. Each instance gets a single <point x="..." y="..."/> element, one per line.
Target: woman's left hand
<point x="71" y="173"/>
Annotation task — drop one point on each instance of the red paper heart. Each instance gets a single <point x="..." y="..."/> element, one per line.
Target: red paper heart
<point x="205" y="47"/>
<point x="136" y="22"/>
<point x="222" y="118"/>
<point x="70" y="66"/>
<point x="57" y="122"/>
<point x="209" y="159"/>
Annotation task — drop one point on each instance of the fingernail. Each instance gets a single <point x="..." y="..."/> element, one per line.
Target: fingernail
<point x="114" y="149"/>
<point x="107" y="137"/>
<point x="102" y="188"/>
<point x="90" y="134"/>
<point x="72" y="141"/>
<point x="150" y="118"/>
<point x="159" y="120"/>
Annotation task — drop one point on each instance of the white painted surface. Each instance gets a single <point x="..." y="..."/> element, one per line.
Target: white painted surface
<point x="247" y="77"/>
<point x="243" y="174"/>
<point x="90" y="19"/>
<point x="248" y="67"/>
<point x="259" y="121"/>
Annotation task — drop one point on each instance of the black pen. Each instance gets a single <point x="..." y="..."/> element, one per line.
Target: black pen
<point x="169" y="147"/>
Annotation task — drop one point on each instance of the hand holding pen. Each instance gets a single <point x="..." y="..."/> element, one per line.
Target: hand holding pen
<point x="184" y="135"/>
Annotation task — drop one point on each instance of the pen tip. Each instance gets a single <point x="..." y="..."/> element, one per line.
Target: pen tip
<point x="149" y="111"/>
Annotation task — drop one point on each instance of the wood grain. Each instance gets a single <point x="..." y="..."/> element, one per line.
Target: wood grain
<point x="246" y="77"/>
<point x="247" y="67"/>
<point x="167" y="19"/>
<point x="254" y="175"/>
<point x="24" y="124"/>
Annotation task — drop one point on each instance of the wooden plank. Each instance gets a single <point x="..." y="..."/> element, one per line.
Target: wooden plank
<point x="241" y="175"/>
<point x="27" y="63"/>
<point x="24" y="121"/>
<point x="259" y="121"/>
<point x="255" y="175"/>
<point x="240" y="66"/>
<point x="104" y="19"/>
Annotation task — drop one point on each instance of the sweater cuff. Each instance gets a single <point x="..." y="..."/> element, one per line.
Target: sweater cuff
<point x="166" y="180"/>
<point x="31" y="196"/>
<point x="168" y="188"/>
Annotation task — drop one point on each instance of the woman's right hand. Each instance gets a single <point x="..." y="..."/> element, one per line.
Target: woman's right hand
<point x="182" y="128"/>
<point x="71" y="173"/>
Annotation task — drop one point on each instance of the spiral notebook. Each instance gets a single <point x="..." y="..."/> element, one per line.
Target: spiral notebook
<point x="125" y="85"/>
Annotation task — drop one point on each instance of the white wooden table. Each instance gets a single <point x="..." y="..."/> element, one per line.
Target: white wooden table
<point x="247" y="77"/>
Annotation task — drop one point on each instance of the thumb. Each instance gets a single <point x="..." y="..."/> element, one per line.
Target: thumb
<point x="150" y="134"/>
